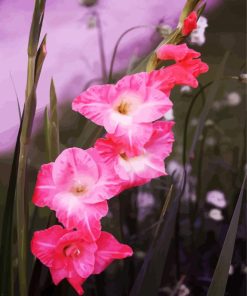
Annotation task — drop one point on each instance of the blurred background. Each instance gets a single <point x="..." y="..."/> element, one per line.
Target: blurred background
<point x="81" y="38"/>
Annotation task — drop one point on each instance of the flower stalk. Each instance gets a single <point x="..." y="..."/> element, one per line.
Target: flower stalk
<point x="35" y="62"/>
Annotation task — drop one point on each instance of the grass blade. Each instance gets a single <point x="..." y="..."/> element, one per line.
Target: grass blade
<point x="6" y="281"/>
<point x="54" y="125"/>
<point x="16" y="95"/>
<point x="219" y="280"/>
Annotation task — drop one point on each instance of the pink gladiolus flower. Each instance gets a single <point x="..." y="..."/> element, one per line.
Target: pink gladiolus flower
<point x="188" y="65"/>
<point x="190" y="23"/>
<point x="138" y="165"/>
<point x="125" y="109"/>
<point x="69" y="256"/>
<point x="77" y="186"/>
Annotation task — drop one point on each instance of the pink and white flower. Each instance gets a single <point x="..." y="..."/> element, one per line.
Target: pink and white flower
<point x="69" y="256"/>
<point x="77" y="186"/>
<point x="138" y="165"/>
<point x="125" y="109"/>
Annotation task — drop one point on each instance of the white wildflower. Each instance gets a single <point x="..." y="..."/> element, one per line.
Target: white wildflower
<point x="233" y="99"/>
<point x="210" y="141"/>
<point x="197" y="36"/>
<point x="185" y="89"/>
<point x="169" y="115"/>
<point x="216" y="198"/>
<point x="215" y="214"/>
<point x="231" y="270"/>
<point x="183" y="290"/>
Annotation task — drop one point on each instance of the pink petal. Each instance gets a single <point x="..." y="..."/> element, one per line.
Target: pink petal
<point x="44" y="242"/>
<point x="72" y="212"/>
<point x="45" y="187"/>
<point x="76" y="283"/>
<point x="135" y="135"/>
<point x="95" y="102"/>
<point x="74" y="165"/>
<point x="82" y="263"/>
<point x="109" y="249"/>
<point x="162" y="139"/>
<point x="176" y="52"/>
<point x="154" y="107"/>
<point x="107" y="185"/>
<point x="58" y="274"/>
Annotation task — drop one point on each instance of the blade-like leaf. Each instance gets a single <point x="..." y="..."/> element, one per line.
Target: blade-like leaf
<point x="36" y="26"/>
<point x="54" y="125"/>
<point x="40" y="57"/>
<point x="149" y="277"/>
<point x="219" y="280"/>
<point x="16" y="95"/>
<point x="47" y="134"/>
<point x="6" y="282"/>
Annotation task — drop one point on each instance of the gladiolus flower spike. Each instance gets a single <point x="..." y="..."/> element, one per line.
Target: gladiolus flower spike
<point x="79" y="182"/>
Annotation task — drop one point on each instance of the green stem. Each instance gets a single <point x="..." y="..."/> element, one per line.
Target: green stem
<point x="116" y="48"/>
<point x="22" y="202"/>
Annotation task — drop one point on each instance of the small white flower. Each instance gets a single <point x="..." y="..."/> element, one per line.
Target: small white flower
<point x="210" y="141"/>
<point x="231" y="270"/>
<point x="233" y="99"/>
<point x="197" y="36"/>
<point x="169" y="115"/>
<point x="244" y="269"/>
<point x="243" y="77"/>
<point x="215" y="214"/>
<point x="183" y="290"/>
<point x="185" y="89"/>
<point x="216" y="198"/>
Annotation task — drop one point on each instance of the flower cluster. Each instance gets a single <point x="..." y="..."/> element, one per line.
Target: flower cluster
<point x="79" y="182"/>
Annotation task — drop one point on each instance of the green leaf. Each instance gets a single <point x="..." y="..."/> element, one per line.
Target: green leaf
<point x="54" y="125"/>
<point x="16" y="95"/>
<point x="39" y="60"/>
<point x="47" y="134"/>
<point x="219" y="280"/>
<point x="149" y="278"/>
<point x="36" y="26"/>
<point x="6" y="279"/>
